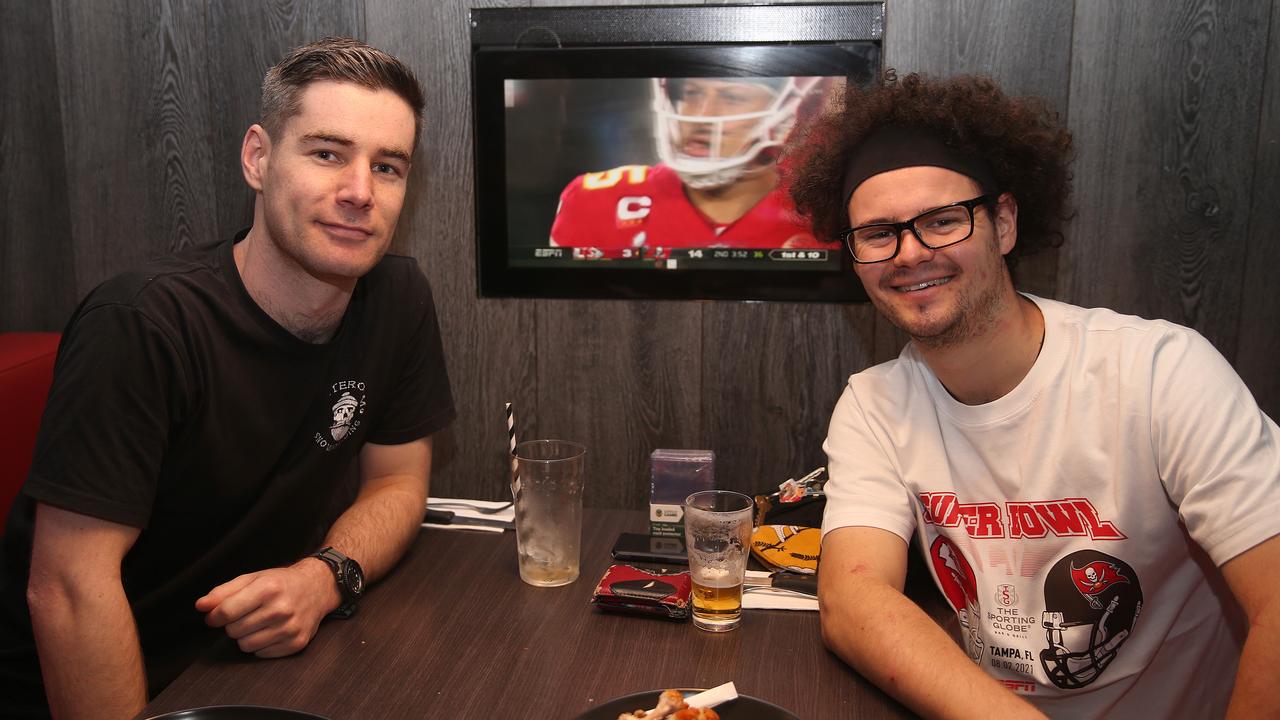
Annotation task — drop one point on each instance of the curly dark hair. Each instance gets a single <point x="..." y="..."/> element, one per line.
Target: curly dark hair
<point x="1021" y="138"/>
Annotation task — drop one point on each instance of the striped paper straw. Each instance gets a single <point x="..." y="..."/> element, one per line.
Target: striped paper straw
<point x="511" y="429"/>
<point x="511" y="440"/>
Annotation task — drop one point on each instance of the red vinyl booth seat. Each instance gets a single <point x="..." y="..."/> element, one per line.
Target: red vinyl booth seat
<point x="26" y="372"/>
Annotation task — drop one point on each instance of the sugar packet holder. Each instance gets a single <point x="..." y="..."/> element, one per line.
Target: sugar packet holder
<point x="628" y="589"/>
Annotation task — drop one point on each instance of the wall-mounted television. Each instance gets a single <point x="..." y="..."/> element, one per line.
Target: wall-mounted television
<point x="637" y="152"/>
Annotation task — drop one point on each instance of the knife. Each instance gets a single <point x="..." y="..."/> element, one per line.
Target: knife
<point x="795" y="582"/>
<point x="448" y="517"/>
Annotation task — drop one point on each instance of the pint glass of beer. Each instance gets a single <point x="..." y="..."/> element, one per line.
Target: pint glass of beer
<point x="717" y="531"/>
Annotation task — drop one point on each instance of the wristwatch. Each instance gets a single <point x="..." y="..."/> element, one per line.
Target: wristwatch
<point x="350" y="580"/>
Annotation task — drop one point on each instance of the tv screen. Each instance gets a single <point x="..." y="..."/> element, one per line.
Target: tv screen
<point x="653" y="171"/>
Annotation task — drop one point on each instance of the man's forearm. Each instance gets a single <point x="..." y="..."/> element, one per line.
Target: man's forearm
<point x="275" y="612"/>
<point x="1256" y="694"/>
<point x="888" y="639"/>
<point x="375" y="531"/>
<point x="89" y="651"/>
<point x="378" y="528"/>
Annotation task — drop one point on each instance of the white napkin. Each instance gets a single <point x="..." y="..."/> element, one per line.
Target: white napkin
<point x="459" y="507"/>
<point x="717" y="695"/>
<point x="768" y="598"/>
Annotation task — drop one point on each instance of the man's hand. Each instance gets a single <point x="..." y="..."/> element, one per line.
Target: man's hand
<point x="273" y="613"/>
<point x="276" y="612"/>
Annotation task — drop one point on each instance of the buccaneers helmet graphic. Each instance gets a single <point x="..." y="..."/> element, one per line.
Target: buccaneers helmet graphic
<point x="1092" y="601"/>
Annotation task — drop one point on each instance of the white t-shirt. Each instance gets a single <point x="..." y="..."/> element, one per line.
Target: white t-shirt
<point x="1074" y="524"/>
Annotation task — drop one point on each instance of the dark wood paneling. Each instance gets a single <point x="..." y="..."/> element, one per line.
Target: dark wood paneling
<point x="490" y="344"/>
<point x="771" y="376"/>
<point x="1258" y="340"/>
<point x="622" y="378"/>
<point x="1165" y="113"/>
<point x="888" y="340"/>
<point x="1025" y="46"/>
<point x="245" y="40"/>
<point x="37" y="281"/>
<point x="132" y="81"/>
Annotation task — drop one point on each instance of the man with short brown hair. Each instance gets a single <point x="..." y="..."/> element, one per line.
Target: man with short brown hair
<point x="206" y="409"/>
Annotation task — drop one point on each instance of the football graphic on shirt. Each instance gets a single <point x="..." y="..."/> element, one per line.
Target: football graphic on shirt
<point x="1092" y="601"/>
<point x="956" y="579"/>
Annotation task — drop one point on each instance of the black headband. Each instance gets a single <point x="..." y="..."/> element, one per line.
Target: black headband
<point x="890" y="147"/>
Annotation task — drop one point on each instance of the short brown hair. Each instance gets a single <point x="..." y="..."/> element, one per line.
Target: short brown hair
<point x="342" y="59"/>
<point x="1021" y="138"/>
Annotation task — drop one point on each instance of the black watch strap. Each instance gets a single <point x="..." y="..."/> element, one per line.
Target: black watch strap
<point x="346" y="573"/>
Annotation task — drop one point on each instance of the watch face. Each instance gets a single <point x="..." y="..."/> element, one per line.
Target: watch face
<point x="354" y="578"/>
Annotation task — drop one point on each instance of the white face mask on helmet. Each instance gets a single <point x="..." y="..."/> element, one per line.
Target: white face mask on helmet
<point x="772" y="125"/>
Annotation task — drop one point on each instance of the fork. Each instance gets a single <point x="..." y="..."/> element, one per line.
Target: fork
<point x="468" y="506"/>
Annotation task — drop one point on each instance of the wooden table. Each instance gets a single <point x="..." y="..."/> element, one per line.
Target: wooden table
<point x="453" y="632"/>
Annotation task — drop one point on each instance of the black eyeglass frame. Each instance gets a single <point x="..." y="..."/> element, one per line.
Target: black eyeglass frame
<point x="846" y="235"/>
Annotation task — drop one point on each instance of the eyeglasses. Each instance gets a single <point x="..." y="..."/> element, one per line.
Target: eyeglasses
<point x="936" y="229"/>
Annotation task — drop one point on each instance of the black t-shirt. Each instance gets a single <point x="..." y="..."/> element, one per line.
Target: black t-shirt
<point x="181" y="408"/>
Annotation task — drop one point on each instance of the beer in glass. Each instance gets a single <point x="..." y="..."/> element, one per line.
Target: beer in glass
<point x="717" y="529"/>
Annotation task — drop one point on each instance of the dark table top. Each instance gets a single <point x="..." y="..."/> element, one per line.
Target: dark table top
<point x="453" y="632"/>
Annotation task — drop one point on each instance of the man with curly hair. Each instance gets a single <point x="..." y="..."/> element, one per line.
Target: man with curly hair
<point x="1094" y="492"/>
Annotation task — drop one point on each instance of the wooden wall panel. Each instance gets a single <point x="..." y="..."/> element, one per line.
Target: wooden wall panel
<point x="37" y="279"/>
<point x="1258" y="340"/>
<point x="490" y="344"/>
<point x="132" y="82"/>
<point x="772" y="373"/>
<point x="245" y="39"/>
<point x="1025" y="46"/>
<point x="623" y="378"/>
<point x="1165" y="113"/>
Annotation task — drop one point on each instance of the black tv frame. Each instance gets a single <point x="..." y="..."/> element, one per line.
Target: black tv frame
<point x="643" y="42"/>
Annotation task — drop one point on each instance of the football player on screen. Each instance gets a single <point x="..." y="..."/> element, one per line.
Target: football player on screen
<point x="716" y="184"/>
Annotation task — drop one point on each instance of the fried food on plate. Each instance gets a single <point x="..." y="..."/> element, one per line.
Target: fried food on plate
<point x="671" y="706"/>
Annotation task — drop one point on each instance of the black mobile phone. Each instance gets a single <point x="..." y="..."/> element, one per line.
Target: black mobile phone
<point x="650" y="548"/>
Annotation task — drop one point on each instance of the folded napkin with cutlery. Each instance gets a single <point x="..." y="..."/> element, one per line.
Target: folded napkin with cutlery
<point x="761" y="593"/>
<point x="463" y="514"/>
